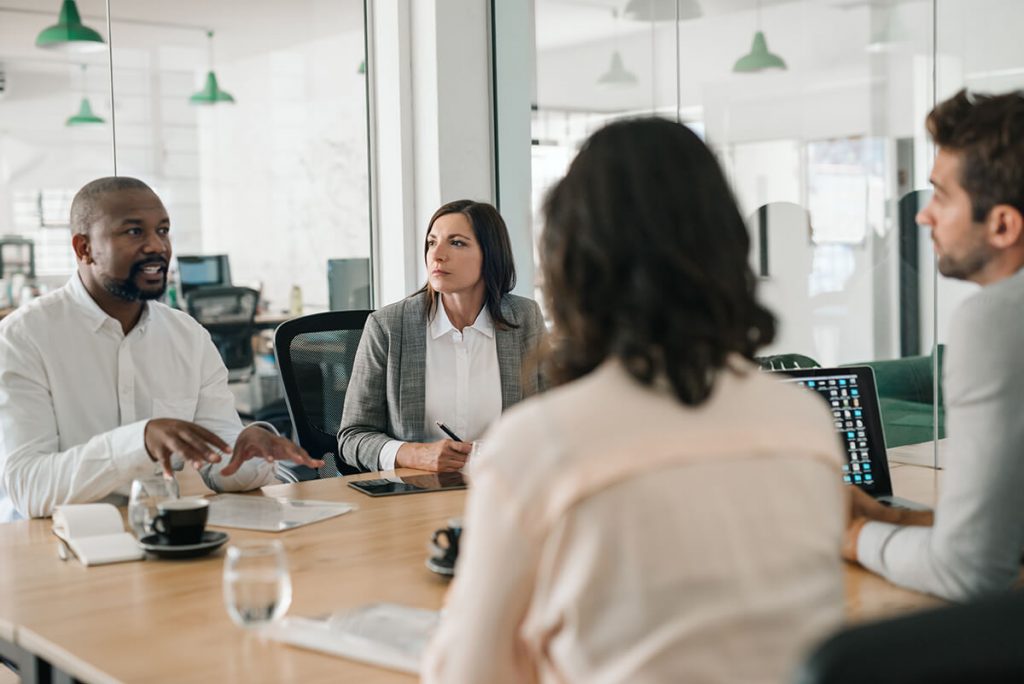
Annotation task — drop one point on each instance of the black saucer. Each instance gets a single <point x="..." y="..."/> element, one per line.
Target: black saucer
<point x="156" y="545"/>
<point x="442" y="566"/>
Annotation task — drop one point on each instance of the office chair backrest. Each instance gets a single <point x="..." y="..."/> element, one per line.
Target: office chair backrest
<point x="786" y="362"/>
<point x="315" y="355"/>
<point x="228" y="313"/>
<point x="979" y="642"/>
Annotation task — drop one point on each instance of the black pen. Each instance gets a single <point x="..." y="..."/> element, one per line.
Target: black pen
<point x="445" y="430"/>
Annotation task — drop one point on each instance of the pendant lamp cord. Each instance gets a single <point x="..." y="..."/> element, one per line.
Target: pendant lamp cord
<point x="615" y="20"/>
<point x="653" y="71"/>
<point x="679" y="77"/>
<point x="113" y="110"/>
<point x="935" y="264"/>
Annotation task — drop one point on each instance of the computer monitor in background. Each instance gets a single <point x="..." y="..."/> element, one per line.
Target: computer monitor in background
<point x="348" y="284"/>
<point x="210" y="270"/>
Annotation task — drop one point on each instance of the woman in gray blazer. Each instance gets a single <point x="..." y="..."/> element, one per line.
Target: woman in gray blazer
<point x="457" y="352"/>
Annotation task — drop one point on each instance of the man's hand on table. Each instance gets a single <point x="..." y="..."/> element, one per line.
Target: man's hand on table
<point x="196" y="444"/>
<point x="863" y="507"/>
<point x="257" y="442"/>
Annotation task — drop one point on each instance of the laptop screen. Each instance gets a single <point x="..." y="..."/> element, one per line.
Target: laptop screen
<point x="850" y="395"/>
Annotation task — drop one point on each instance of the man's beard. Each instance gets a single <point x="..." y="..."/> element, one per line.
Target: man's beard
<point x="127" y="290"/>
<point x="964" y="267"/>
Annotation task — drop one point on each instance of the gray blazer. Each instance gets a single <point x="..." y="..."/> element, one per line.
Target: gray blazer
<point x="385" y="397"/>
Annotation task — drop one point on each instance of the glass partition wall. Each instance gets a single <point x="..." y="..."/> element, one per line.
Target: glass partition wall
<point x="265" y="162"/>
<point x="816" y="111"/>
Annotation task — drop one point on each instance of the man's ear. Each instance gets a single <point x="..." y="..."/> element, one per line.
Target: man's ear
<point x="1005" y="226"/>
<point x="83" y="251"/>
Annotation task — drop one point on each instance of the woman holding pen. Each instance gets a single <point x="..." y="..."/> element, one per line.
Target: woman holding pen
<point x="436" y="368"/>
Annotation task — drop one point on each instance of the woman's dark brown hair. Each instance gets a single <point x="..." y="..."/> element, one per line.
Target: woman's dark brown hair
<point x="644" y="258"/>
<point x="498" y="268"/>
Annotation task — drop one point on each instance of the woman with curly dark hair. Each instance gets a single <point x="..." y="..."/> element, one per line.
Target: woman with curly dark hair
<point x="668" y="513"/>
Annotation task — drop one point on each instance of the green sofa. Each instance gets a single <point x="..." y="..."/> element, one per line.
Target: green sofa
<point x="904" y="394"/>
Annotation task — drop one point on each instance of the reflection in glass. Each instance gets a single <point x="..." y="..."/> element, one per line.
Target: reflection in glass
<point x="822" y="156"/>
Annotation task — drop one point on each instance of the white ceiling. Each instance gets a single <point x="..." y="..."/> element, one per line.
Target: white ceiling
<point x="561" y="23"/>
<point x="241" y="26"/>
<point x="275" y="22"/>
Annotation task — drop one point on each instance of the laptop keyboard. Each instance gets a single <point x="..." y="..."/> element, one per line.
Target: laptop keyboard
<point x="890" y="504"/>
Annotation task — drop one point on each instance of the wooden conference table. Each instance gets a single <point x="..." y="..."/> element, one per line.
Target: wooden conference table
<point x="163" y="621"/>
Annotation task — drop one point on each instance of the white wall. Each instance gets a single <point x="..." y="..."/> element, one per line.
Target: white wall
<point x="433" y="136"/>
<point x="37" y="151"/>
<point x="283" y="173"/>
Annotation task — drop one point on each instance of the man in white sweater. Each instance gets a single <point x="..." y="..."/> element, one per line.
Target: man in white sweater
<point x="972" y="545"/>
<point x="100" y="383"/>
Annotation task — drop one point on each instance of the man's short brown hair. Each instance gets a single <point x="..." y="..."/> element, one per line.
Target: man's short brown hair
<point x="988" y="132"/>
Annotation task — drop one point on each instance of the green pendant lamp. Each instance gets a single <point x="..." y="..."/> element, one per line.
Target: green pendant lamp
<point x="85" y="115"/>
<point x="759" y="58"/>
<point x="211" y="93"/>
<point x="69" y="34"/>
<point x="617" y="76"/>
<point x="663" y="10"/>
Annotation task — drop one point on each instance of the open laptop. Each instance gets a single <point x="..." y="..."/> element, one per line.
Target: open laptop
<point x="851" y="395"/>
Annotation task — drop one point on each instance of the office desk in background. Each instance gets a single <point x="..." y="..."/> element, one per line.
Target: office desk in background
<point x="269" y="321"/>
<point x="164" y="621"/>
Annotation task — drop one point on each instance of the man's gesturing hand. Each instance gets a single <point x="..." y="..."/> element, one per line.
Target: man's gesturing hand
<point x="197" y="445"/>
<point x="255" y="442"/>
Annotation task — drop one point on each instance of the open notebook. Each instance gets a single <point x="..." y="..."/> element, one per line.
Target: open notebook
<point x="383" y="634"/>
<point x="95" y="534"/>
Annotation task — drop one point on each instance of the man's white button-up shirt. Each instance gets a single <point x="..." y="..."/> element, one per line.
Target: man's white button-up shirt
<point x="76" y="394"/>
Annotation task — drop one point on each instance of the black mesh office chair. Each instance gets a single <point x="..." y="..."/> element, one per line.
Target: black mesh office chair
<point x="315" y="355"/>
<point x="228" y="313"/>
<point x="786" y="362"/>
<point x="980" y="642"/>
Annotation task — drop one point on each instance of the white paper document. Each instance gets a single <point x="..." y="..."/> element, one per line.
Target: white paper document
<point x="95" y="534"/>
<point x="383" y="634"/>
<point x="270" y="513"/>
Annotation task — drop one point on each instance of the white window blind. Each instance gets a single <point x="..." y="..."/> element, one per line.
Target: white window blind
<point x="42" y="216"/>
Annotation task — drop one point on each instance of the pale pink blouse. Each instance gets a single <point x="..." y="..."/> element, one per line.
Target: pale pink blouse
<point x="613" y="534"/>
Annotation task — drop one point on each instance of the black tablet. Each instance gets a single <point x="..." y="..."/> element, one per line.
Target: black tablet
<point x="411" y="484"/>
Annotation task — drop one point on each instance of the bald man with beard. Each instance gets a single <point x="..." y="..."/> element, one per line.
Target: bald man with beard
<point x="100" y="383"/>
